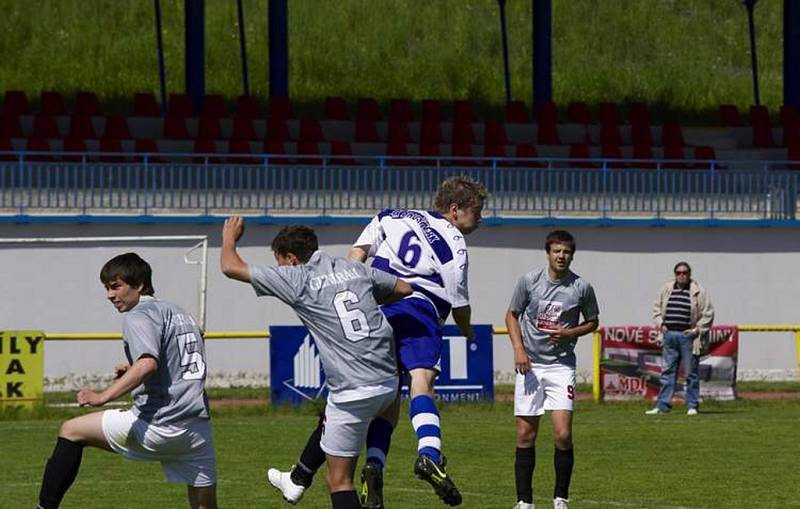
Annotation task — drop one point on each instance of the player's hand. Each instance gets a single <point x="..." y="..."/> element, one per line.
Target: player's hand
<point x="233" y="229"/>
<point x="560" y="335"/>
<point x="521" y="363"/>
<point x="691" y="332"/>
<point x="87" y="397"/>
<point x="120" y="369"/>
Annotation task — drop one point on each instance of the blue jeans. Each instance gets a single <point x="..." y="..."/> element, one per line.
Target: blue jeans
<point x="677" y="347"/>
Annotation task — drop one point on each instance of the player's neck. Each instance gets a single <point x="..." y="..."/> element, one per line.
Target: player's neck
<point x="556" y="275"/>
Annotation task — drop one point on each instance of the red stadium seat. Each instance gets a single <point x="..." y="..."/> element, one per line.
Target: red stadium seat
<point x="431" y="111"/>
<point x="148" y="148"/>
<point x="609" y="113"/>
<point x="612" y="152"/>
<point x="243" y="128"/>
<point x="793" y="154"/>
<point x="15" y="102"/>
<point x="639" y="114"/>
<point x="463" y="112"/>
<point x="6" y="146"/>
<point x="517" y="113"/>
<point x="52" y="103"/>
<point x="428" y="151"/>
<point x="643" y="154"/>
<point x="342" y="153"/>
<point x="275" y="149"/>
<point x="45" y="126"/>
<point x="240" y="147"/>
<point x="464" y="154"/>
<point x="38" y="145"/>
<point x="578" y="113"/>
<point x="705" y="153"/>
<point x="398" y="131"/>
<point x="180" y="105"/>
<point x="145" y="105"/>
<point x="672" y="136"/>
<point x="208" y="128"/>
<point x="87" y="104"/>
<point x="496" y="151"/>
<point x="10" y="126"/>
<point x="729" y="116"/>
<point x="248" y="106"/>
<point x="524" y="152"/>
<point x="81" y="127"/>
<point x="397" y="153"/>
<point x="336" y="108"/>
<point x="280" y="107"/>
<point x="214" y="106"/>
<point x="278" y="129"/>
<point x="641" y="134"/>
<point x="308" y="148"/>
<point x="791" y="131"/>
<point x="673" y="153"/>
<point x="175" y="127"/>
<point x="205" y="146"/>
<point x="463" y="134"/>
<point x="311" y="130"/>
<point x="117" y="128"/>
<point x="366" y="131"/>
<point x="110" y="146"/>
<point x="400" y="111"/>
<point x="762" y="127"/>
<point x="74" y="145"/>
<point x="430" y="132"/>
<point x="494" y="133"/>
<point x="610" y="135"/>
<point x="547" y="124"/>
<point x="367" y="110"/>
<point x="579" y="156"/>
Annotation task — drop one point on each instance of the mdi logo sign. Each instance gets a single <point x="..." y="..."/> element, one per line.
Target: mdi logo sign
<point x="296" y="373"/>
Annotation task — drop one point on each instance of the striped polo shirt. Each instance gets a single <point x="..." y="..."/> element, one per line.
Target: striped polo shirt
<point x="679" y="308"/>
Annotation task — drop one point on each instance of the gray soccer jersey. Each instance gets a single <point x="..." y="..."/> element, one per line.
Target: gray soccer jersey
<point x="335" y="299"/>
<point x="166" y="332"/>
<point x="543" y="304"/>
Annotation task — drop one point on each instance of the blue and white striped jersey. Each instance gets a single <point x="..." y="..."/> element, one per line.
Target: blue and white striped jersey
<point x="423" y="249"/>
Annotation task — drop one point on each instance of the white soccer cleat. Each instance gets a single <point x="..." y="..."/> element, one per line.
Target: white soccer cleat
<point x="655" y="411"/>
<point x="282" y="481"/>
<point x="560" y="503"/>
<point x="524" y="505"/>
<point x="692" y="411"/>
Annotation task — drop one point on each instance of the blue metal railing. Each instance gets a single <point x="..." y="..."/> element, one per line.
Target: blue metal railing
<point x="93" y="183"/>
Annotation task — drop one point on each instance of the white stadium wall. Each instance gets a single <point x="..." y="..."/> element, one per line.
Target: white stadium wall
<point x="751" y="274"/>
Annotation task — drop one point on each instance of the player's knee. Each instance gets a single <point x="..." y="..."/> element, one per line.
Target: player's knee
<point x="69" y="430"/>
<point x="526" y="437"/>
<point x="563" y="439"/>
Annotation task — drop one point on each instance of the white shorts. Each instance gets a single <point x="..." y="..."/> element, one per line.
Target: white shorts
<point x="185" y="452"/>
<point x="544" y="387"/>
<point x="346" y="423"/>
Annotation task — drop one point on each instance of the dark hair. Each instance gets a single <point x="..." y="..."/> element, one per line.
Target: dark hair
<point x="559" y="237"/>
<point x="299" y="240"/>
<point x="461" y="190"/>
<point x="682" y="264"/>
<point x="130" y="268"/>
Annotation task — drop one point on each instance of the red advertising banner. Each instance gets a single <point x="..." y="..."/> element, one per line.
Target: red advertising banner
<point x="630" y="363"/>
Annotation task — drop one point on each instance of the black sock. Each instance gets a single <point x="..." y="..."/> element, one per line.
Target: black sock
<point x="563" y="461"/>
<point x="523" y="472"/>
<point x="345" y="500"/>
<point x="60" y="472"/>
<point x="311" y="459"/>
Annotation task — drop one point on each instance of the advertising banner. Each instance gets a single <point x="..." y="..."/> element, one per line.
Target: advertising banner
<point x="21" y="367"/>
<point x="296" y="373"/>
<point x="630" y="363"/>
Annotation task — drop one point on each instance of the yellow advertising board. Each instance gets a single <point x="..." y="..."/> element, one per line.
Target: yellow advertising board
<point x="21" y="366"/>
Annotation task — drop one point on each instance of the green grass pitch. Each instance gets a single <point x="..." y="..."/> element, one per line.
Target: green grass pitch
<point x="733" y="455"/>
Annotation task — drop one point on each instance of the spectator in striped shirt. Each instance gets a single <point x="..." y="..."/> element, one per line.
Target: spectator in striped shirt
<point x="684" y="313"/>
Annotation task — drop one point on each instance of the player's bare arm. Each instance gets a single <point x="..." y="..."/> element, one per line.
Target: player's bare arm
<point x="561" y="334"/>
<point x="521" y="363"/>
<point x="462" y="316"/>
<point x="120" y="370"/>
<point x="359" y="253"/>
<point x="133" y="377"/>
<point x="231" y="264"/>
<point x="401" y="291"/>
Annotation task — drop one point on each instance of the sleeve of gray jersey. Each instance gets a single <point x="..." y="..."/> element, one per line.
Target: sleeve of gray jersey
<point x="282" y="282"/>
<point x="383" y="284"/>
<point x="589" y="308"/>
<point x="520" y="297"/>
<point x="142" y="333"/>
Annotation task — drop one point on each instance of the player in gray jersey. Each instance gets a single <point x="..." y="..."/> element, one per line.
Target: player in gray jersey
<point x="165" y="374"/>
<point x="544" y="323"/>
<point x="337" y="301"/>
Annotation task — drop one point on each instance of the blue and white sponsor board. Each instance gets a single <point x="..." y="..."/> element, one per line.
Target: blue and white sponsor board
<point x="296" y="374"/>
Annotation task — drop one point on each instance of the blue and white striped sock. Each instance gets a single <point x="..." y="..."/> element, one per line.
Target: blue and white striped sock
<point x="379" y="437"/>
<point x="425" y="420"/>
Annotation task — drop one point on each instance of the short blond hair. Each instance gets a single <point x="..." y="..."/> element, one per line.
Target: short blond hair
<point x="461" y="190"/>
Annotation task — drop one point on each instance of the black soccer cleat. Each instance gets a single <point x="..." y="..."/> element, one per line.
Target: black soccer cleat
<point x="371" y="487"/>
<point x="435" y="475"/>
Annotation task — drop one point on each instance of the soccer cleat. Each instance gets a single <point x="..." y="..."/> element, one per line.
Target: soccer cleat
<point x="435" y="475"/>
<point x="524" y="505"/>
<point x="282" y="481"/>
<point x="656" y="411"/>
<point x="560" y="503"/>
<point x="371" y="487"/>
<point x="692" y="411"/>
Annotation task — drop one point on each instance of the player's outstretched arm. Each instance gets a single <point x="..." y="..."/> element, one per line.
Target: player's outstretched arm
<point x="463" y="316"/>
<point x="401" y="291"/>
<point x="231" y="264"/>
<point x="132" y="378"/>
